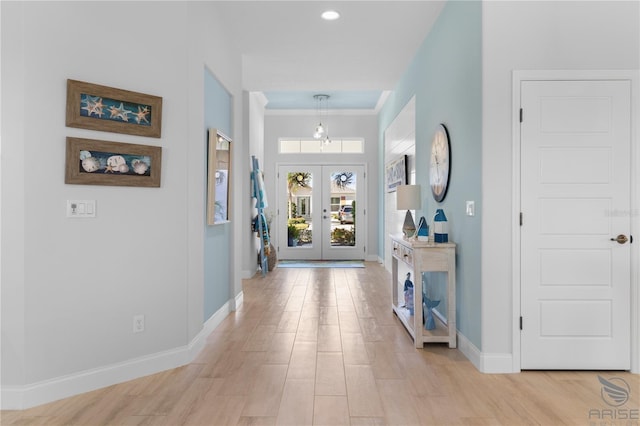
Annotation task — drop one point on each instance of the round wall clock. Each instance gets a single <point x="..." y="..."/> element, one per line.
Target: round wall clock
<point x="440" y="163"/>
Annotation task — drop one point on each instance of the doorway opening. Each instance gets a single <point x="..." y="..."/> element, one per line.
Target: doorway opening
<point x="321" y="212"/>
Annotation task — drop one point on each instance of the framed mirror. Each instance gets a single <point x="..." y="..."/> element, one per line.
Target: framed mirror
<point x="218" y="177"/>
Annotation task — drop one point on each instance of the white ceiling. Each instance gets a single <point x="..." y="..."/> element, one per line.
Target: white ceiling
<point x="288" y="48"/>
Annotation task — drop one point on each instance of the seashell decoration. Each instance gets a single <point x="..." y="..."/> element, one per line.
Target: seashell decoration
<point x="139" y="167"/>
<point x="115" y="161"/>
<point x="90" y="164"/>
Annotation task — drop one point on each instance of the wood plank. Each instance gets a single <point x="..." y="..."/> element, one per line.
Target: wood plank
<point x="296" y="407"/>
<point x="303" y="361"/>
<point x="329" y="339"/>
<point x="264" y="398"/>
<point x="331" y="410"/>
<point x="362" y="391"/>
<point x="330" y="378"/>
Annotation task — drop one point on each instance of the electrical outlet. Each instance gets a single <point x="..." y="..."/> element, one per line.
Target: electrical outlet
<point x="138" y="323"/>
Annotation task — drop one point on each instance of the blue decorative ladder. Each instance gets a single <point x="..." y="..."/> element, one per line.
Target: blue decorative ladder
<point x="261" y="203"/>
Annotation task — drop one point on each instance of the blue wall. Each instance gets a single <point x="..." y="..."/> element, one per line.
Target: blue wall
<point x="446" y="78"/>
<point x="217" y="241"/>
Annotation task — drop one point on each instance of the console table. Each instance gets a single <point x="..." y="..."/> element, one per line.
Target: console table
<point x="423" y="256"/>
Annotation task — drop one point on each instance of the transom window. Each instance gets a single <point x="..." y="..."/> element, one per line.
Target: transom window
<point x="317" y="146"/>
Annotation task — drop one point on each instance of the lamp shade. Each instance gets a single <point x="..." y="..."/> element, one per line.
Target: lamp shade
<point x="408" y="197"/>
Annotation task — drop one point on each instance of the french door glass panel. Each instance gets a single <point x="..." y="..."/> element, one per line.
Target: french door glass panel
<point x="322" y="212"/>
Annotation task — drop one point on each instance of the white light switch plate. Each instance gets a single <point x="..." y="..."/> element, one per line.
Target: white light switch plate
<point x="471" y="208"/>
<point x="81" y="208"/>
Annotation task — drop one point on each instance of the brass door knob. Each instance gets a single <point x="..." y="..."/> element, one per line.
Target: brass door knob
<point x="620" y="239"/>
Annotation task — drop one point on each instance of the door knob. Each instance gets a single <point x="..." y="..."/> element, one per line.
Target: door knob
<point x="620" y="239"/>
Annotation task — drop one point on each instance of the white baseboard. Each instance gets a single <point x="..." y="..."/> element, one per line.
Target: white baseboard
<point x="237" y="301"/>
<point x="497" y="363"/>
<point x="470" y="350"/>
<point x="23" y="397"/>
<point x="247" y="273"/>
<point x="485" y="362"/>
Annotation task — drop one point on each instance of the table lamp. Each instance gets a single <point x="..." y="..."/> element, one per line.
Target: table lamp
<point x="408" y="198"/>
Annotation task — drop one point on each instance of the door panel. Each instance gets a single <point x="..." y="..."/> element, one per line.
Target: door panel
<point x="341" y="239"/>
<point x="310" y="198"/>
<point x="575" y="281"/>
<point x="299" y="199"/>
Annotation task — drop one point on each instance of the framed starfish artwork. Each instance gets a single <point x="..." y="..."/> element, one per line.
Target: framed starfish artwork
<point x="95" y="162"/>
<point x="95" y="107"/>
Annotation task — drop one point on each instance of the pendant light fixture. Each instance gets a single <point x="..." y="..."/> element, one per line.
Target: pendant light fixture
<point x="320" y="129"/>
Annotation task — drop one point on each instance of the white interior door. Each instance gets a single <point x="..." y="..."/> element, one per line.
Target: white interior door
<point x="321" y="211"/>
<point x="575" y="198"/>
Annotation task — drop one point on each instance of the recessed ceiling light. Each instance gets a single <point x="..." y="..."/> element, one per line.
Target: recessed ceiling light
<point x="330" y="15"/>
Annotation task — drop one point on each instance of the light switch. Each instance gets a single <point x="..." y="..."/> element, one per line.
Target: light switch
<point x="471" y="208"/>
<point x="81" y="208"/>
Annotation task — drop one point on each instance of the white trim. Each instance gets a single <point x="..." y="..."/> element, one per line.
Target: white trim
<point x="236" y="302"/>
<point x="470" y="350"/>
<point x="309" y="112"/>
<point x="364" y="199"/>
<point x="541" y="75"/>
<point x="491" y="363"/>
<point x="382" y="100"/>
<point x="23" y="397"/>
<point x="515" y="220"/>
<point x="248" y="274"/>
<point x="635" y="224"/>
<point x="497" y="363"/>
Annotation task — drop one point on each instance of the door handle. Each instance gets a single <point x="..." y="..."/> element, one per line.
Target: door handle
<point x="620" y="239"/>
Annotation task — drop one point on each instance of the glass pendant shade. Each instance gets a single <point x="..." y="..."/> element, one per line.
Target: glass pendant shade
<point x="320" y="129"/>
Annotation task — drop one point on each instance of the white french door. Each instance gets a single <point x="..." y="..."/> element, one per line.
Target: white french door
<point x="575" y="203"/>
<point x="321" y="212"/>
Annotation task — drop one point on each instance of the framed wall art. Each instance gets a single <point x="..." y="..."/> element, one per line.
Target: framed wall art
<point x="95" y="162"/>
<point x="218" y="178"/>
<point x="396" y="173"/>
<point x="95" y="107"/>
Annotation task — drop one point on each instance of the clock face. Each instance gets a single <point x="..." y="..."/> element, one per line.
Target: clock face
<point x="440" y="163"/>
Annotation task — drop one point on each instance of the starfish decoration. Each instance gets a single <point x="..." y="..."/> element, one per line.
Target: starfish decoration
<point x="119" y="112"/>
<point x="96" y="108"/>
<point x="108" y="169"/>
<point x="142" y="113"/>
<point x="90" y="103"/>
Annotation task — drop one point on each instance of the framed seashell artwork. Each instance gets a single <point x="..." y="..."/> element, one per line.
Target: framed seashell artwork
<point x="95" y="107"/>
<point x="96" y="162"/>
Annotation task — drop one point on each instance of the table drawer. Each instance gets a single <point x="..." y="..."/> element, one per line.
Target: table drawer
<point x="403" y="253"/>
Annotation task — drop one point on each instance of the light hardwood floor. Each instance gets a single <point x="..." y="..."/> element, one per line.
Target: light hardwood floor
<point x="322" y="346"/>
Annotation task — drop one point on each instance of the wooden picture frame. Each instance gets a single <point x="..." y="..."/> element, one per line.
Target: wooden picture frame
<point x="95" y="107"/>
<point x="218" y="178"/>
<point x="396" y="173"/>
<point x="96" y="162"/>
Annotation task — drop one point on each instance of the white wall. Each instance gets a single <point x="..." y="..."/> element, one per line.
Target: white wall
<point x="70" y="287"/>
<point x="399" y="139"/>
<point x="209" y="45"/>
<point x="346" y="125"/>
<point x="532" y="36"/>
<point x="255" y="103"/>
